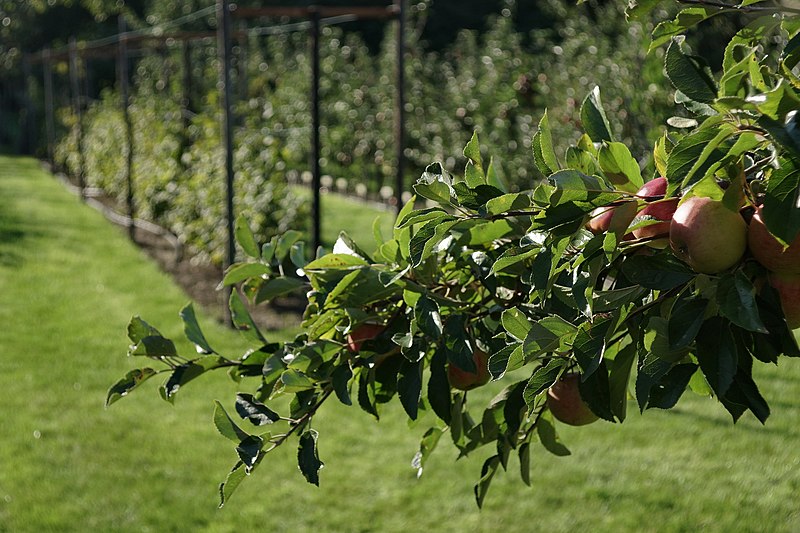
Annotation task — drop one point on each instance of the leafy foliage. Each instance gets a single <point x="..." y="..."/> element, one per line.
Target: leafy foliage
<point x="518" y="275"/>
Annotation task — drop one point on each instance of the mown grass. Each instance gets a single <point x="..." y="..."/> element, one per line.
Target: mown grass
<point x="69" y="284"/>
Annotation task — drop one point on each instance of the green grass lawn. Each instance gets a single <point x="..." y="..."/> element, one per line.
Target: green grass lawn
<point x="70" y="282"/>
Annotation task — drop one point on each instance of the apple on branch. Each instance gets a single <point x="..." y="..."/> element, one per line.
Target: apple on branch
<point x="614" y="218"/>
<point x="707" y="236"/>
<point x="464" y="380"/>
<point x="658" y="208"/>
<point x="788" y="288"/>
<point x="769" y="251"/>
<point x="361" y="333"/>
<point x="565" y="402"/>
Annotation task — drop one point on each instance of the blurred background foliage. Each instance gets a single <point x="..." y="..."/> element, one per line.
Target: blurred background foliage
<point x="486" y="65"/>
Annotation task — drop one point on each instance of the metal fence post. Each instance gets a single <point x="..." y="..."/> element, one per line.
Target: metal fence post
<point x="74" y="77"/>
<point x="316" y="236"/>
<point x="400" y="102"/>
<point x="122" y="70"/>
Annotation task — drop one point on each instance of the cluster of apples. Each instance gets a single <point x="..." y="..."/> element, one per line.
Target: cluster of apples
<point x="706" y="235"/>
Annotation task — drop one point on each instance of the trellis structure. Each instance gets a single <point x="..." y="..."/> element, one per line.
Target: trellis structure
<point x="122" y="44"/>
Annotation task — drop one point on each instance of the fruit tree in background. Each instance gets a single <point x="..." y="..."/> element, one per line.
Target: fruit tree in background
<point x="598" y="283"/>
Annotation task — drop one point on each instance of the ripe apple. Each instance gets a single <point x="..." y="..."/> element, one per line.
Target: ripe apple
<point x="361" y="333"/>
<point x="707" y="236"/>
<point x="769" y="251"/>
<point x="788" y="287"/>
<point x="653" y="191"/>
<point x="615" y="218"/>
<point x="565" y="402"/>
<point x="463" y="380"/>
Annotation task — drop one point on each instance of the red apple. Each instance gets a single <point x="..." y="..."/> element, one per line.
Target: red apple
<point x="463" y="380"/>
<point x="788" y="287"/>
<point x="361" y="333"/>
<point x="769" y="251"/>
<point x="565" y="402"/>
<point x="707" y="236"/>
<point x="653" y="191"/>
<point x="615" y="218"/>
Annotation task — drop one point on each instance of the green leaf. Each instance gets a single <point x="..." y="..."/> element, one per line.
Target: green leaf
<point x="426" y="446"/>
<point x="245" y="238"/>
<point x="717" y="354"/>
<point x="546" y="430"/>
<point x="285" y="242"/>
<point x="513" y="256"/>
<point x="242" y="271"/>
<point x="138" y="329"/>
<point x="193" y="332"/>
<point x="435" y="185"/>
<point x="249" y="451"/>
<point x="691" y="156"/>
<point x="426" y="313"/>
<point x="226" y="426"/>
<point x="544" y="155"/>
<point x="308" y="457"/>
<point x="227" y="488"/>
<point x="336" y="261"/>
<point x="671" y="387"/>
<point x="472" y="151"/>
<point x="781" y="211"/>
<point x="618" y="377"/>
<point x="428" y="236"/>
<point x="651" y="370"/>
<point x="341" y="380"/>
<point x="422" y="215"/>
<point x="256" y="412"/>
<point x="508" y="202"/>
<point x="459" y="348"/>
<point x="593" y="117"/>
<point x="515" y="323"/>
<point x="295" y="381"/>
<point x="590" y="344"/>
<point x="685" y="321"/>
<point x="409" y="387"/>
<point x="685" y="19"/>
<point x="525" y="463"/>
<point x="439" y="388"/>
<point x="275" y="287"/>
<point x="242" y="320"/>
<point x="657" y="272"/>
<point x="688" y="74"/>
<point x="547" y="335"/>
<point x="542" y="378"/>
<point x="487" y="473"/>
<point x="596" y="392"/>
<point x="736" y="297"/>
<point x="130" y="382"/>
<point x="183" y="374"/>
<point x="620" y="167"/>
<point x="154" y="346"/>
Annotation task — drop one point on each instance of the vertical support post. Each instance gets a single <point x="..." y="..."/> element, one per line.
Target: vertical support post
<point x="122" y="70"/>
<point x="400" y="103"/>
<point x="316" y="237"/>
<point x="224" y="52"/>
<point x="49" y="107"/>
<point x="244" y="45"/>
<point x="75" y="82"/>
<point x="30" y="113"/>
<point x="186" y="97"/>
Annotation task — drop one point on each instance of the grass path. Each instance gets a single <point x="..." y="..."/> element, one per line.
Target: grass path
<point x="69" y="283"/>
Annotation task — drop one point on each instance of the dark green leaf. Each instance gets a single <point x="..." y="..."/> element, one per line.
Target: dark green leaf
<point x="669" y="389"/>
<point x="781" y="211"/>
<point x="409" y="387"/>
<point x="596" y="392"/>
<point x="439" y="388"/>
<point x="685" y="320"/>
<point x="657" y="272"/>
<point x="131" y="381"/>
<point x="736" y="298"/>
<point x="308" y="457"/>
<point x="341" y="380"/>
<point x="249" y="450"/>
<point x="138" y="329"/>
<point x="525" y="463"/>
<point x="333" y="261"/>
<point x="183" y="374"/>
<point x="193" y="332"/>
<point x="256" y="412"/>
<point x="546" y="430"/>
<point x="688" y="74"/>
<point x="458" y="345"/>
<point x="717" y="354"/>
<point x="426" y="313"/>
<point x="651" y="370"/>
<point x="154" y="346"/>
<point x="543" y="154"/>
<point x="285" y="243"/>
<point x="487" y="473"/>
<point x="593" y="118"/>
<point x="618" y="377"/>
<point x="590" y="344"/>
<point x="516" y="323"/>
